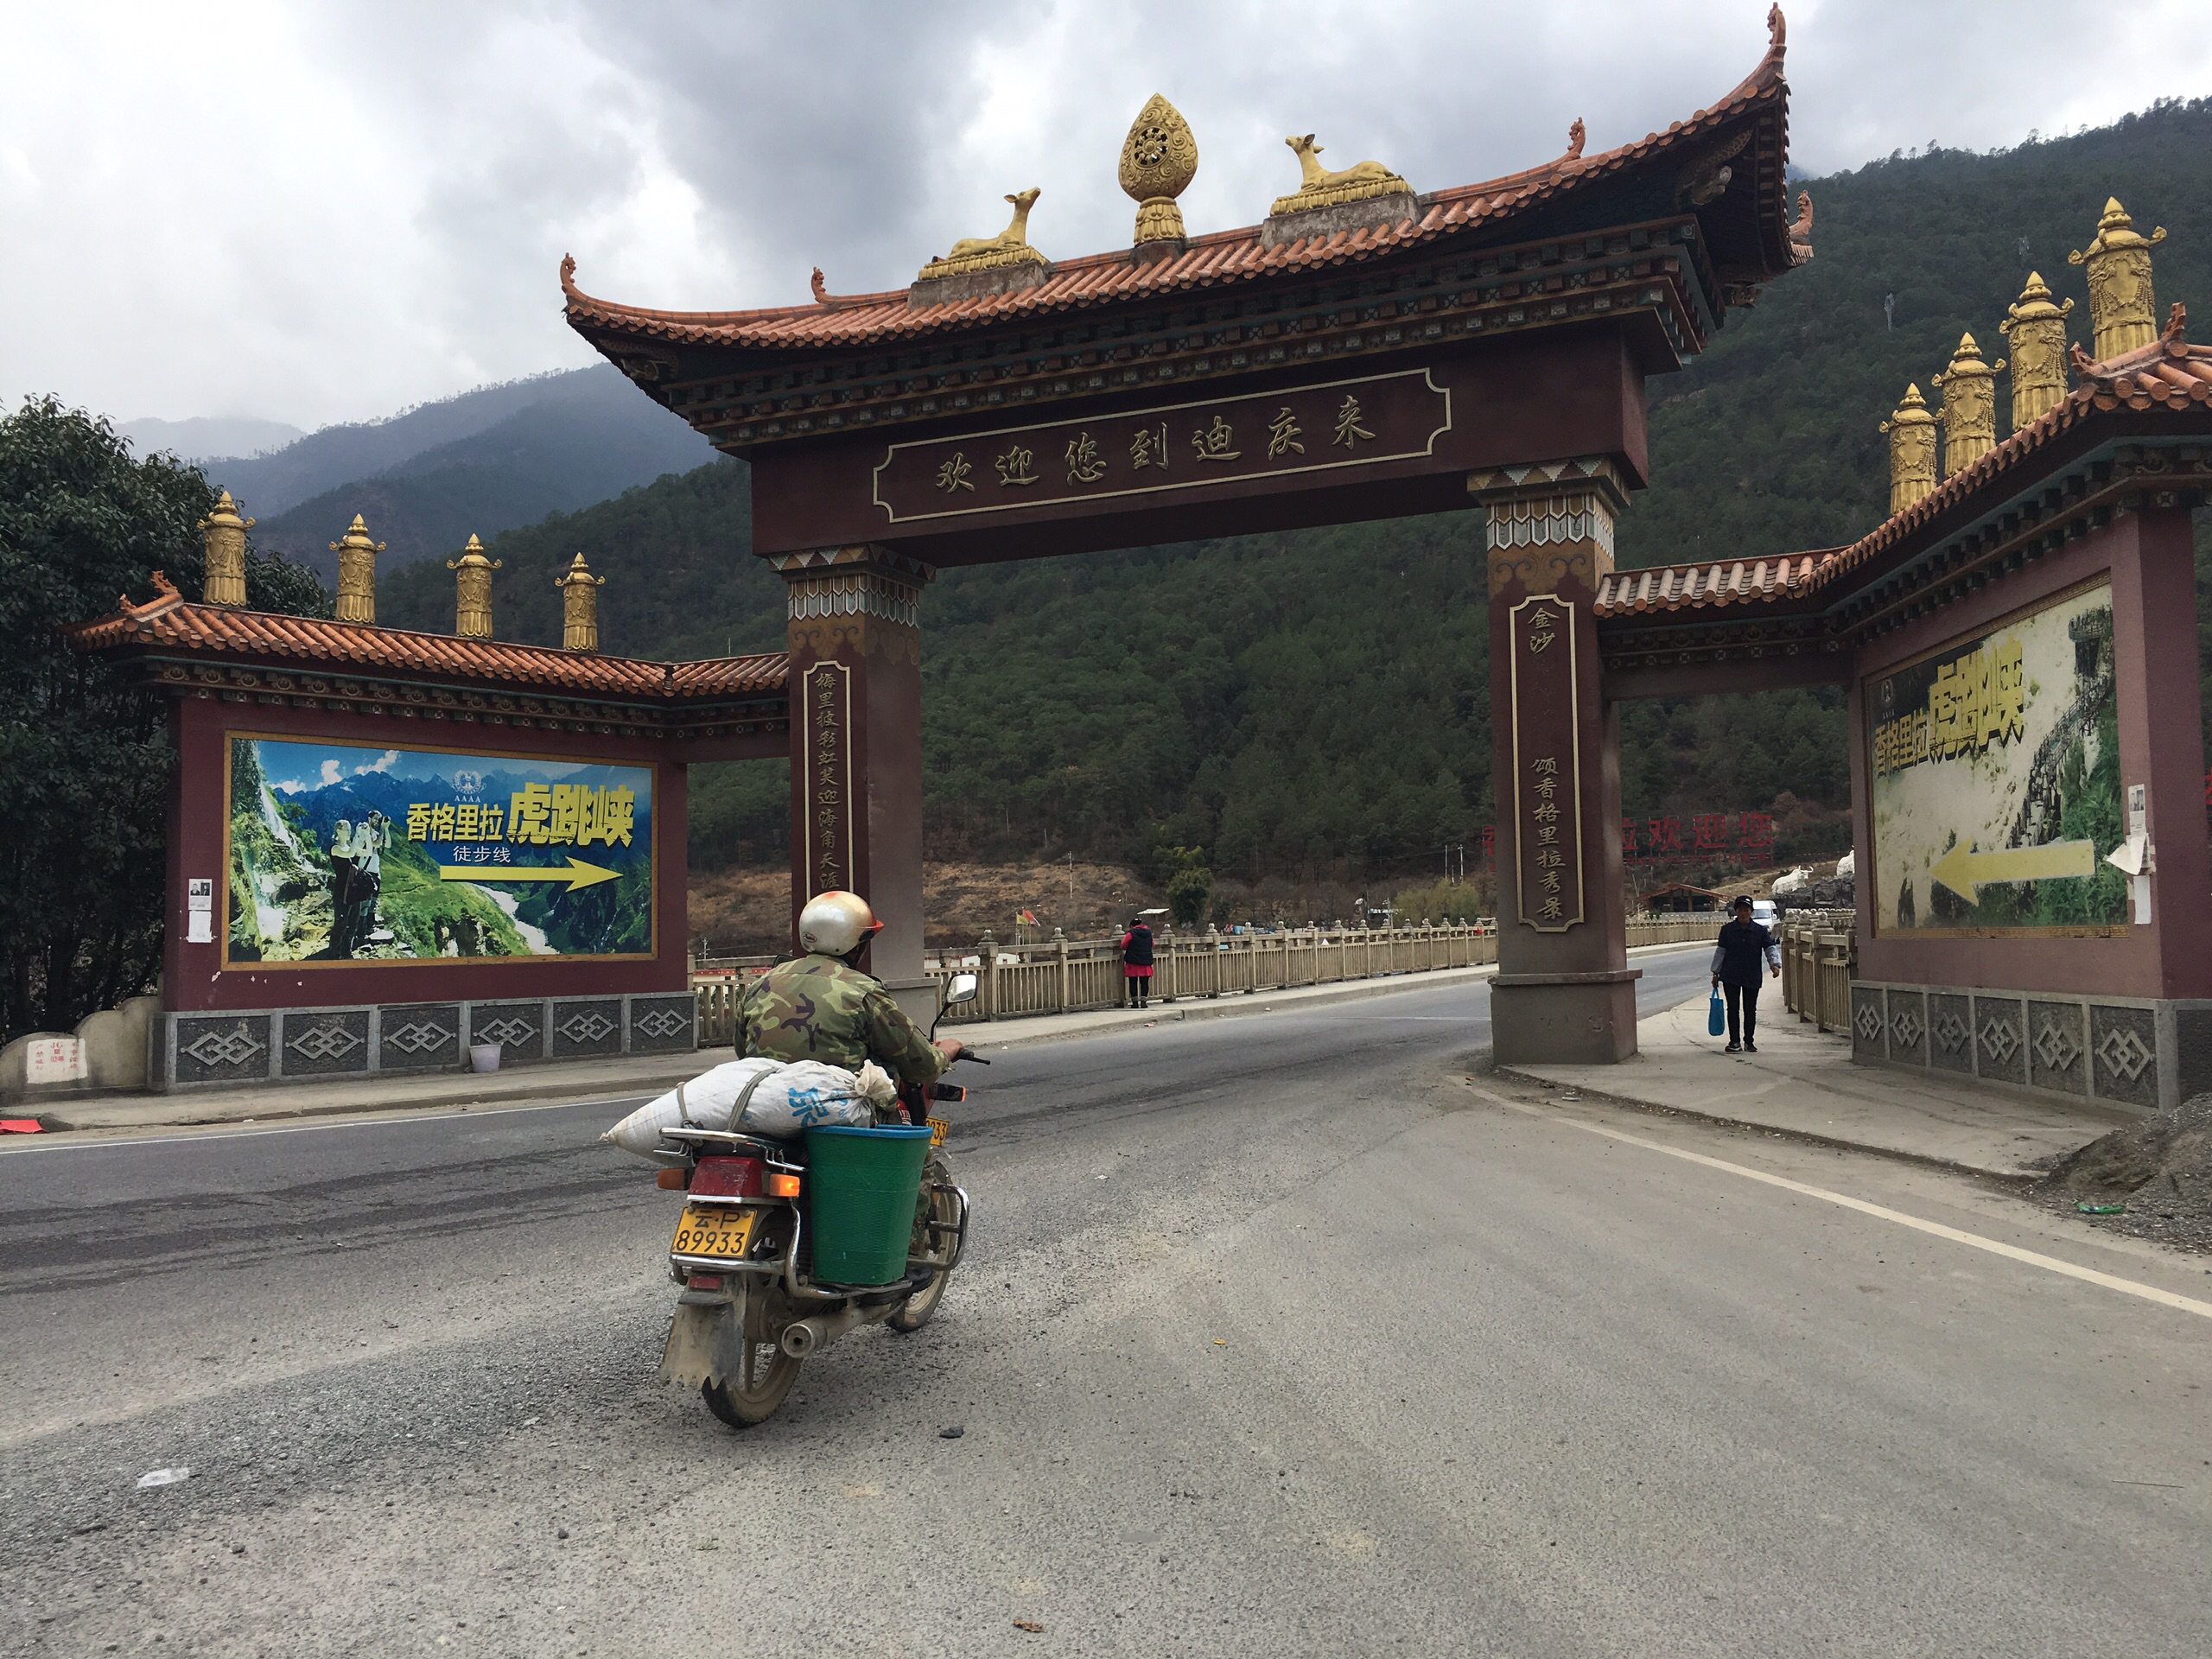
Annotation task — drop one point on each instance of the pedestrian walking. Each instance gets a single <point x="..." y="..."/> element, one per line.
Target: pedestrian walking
<point x="1136" y="962"/>
<point x="1736" y="961"/>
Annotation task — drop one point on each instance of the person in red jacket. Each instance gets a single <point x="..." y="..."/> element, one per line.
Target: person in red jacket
<point x="1136" y="962"/>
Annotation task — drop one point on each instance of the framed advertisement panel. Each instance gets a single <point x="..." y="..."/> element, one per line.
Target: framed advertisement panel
<point x="1994" y="780"/>
<point x="339" y="854"/>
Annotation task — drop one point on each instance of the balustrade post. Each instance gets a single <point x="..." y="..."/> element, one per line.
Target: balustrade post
<point x="987" y="952"/>
<point x="1060" y="950"/>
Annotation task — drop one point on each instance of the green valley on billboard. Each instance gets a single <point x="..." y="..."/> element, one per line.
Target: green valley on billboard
<point x="1995" y="789"/>
<point x="343" y="853"/>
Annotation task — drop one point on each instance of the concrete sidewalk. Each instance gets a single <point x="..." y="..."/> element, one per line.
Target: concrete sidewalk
<point x="1802" y="1083"/>
<point x="635" y="1075"/>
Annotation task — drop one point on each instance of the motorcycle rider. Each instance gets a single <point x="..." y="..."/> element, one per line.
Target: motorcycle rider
<point x="822" y="1007"/>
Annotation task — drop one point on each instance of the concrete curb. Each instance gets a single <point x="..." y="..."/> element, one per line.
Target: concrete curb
<point x="1839" y="1144"/>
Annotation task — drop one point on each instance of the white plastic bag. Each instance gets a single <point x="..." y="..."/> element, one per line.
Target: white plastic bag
<point x="705" y="1102"/>
<point x="806" y="1096"/>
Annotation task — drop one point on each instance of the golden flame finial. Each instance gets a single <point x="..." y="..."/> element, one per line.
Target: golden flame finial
<point x="1159" y="160"/>
<point x="579" y="606"/>
<point x="225" y="530"/>
<point x="1913" y="450"/>
<point x="357" y="573"/>
<point x="472" y="589"/>
<point x="2118" y="265"/>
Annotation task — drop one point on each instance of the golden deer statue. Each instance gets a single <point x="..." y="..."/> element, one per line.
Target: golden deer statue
<point x="1317" y="177"/>
<point x="1016" y="234"/>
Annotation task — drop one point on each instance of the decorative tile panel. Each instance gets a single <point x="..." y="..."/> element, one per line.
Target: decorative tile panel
<point x="417" y="1036"/>
<point x="2193" y="1045"/>
<point x="663" y="1024"/>
<point x="2124" y="1046"/>
<point x="2000" y="1035"/>
<point x="2058" y="1049"/>
<point x="1950" y="1031"/>
<point x="1908" y="1012"/>
<point x="582" y="1028"/>
<point x="324" y="1043"/>
<point x="518" y="1028"/>
<point x="222" y="1047"/>
<point x="1869" y="1023"/>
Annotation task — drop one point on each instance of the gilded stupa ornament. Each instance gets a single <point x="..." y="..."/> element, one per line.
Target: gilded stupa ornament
<point x="1009" y="247"/>
<point x="1969" y="406"/>
<point x="1159" y="160"/>
<point x="1913" y="450"/>
<point x="2118" y="265"/>
<point x="2035" y="328"/>
<point x="1322" y="188"/>
<point x="225" y="539"/>
<point x="356" y="573"/>
<point x="579" y="606"/>
<point x="472" y="591"/>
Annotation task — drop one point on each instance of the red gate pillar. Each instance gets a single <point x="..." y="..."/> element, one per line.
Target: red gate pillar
<point x="856" y="745"/>
<point x="1564" y="992"/>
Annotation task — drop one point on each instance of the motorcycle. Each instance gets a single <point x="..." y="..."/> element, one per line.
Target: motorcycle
<point x="749" y="1314"/>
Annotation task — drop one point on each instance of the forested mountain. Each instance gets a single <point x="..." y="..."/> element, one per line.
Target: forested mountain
<point x="476" y="464"/>
<point x="1320" y="698"/>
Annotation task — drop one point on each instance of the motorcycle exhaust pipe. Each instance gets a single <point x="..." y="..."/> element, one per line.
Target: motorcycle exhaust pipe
<point x="804" y="1337"/>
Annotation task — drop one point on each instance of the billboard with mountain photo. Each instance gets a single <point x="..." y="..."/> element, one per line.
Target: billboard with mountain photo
<point x="339" y="853"/>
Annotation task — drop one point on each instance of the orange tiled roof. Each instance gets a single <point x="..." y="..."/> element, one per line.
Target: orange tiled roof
<point x="2168" y="376"/>
<point x="170" y="623"/>
<point x="1220" y="257"/>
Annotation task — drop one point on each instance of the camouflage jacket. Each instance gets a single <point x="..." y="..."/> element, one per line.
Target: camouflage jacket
<point x="817" y="1008"/>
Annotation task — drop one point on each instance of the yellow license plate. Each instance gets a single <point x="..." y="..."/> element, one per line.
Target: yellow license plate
<point x="715" y="1230"/>
<point x="937" y="1127"/>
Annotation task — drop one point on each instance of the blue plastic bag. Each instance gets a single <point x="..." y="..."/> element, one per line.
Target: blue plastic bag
<point x="1716" y="1016"/>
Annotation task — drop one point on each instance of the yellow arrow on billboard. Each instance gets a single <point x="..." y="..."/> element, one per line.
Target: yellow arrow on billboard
<point x="1964" y="871"/>
<point x="579" y="874"/>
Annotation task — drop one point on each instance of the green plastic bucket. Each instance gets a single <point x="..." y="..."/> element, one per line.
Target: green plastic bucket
<point x="863" y="1185"/>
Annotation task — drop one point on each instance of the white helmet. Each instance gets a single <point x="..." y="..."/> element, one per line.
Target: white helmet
<point x="835" y="921"/>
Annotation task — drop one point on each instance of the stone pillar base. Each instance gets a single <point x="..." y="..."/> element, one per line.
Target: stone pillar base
<point x="1563" y="1019"/>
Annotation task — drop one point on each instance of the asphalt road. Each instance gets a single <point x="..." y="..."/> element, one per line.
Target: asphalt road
<point x="1277" y="1335"/>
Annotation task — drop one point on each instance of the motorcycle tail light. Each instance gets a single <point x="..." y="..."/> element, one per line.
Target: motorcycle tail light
<point x="671" y="1180"/>
<point x="781" y="1185"/>
<point x="721" y="1176"/>
<point x="703" y="1282"/>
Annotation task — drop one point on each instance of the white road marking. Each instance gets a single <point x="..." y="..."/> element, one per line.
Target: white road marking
<point x="225" y="1132"/>
<point x="1976" y="1241"/>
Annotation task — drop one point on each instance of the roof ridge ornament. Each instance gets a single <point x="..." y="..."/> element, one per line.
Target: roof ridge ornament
<point x="1576" y="134"/>
<point x="1321" y="187"/>
<point x="356" y="573"/>
<point x="472" y="611"/>
<point x="2035" y="328"/>
<point x="1969" y="416"/>
<point x="579" y="606"/>
<point x="2122" y="307"/>
<point x="1912" y="451"/>
<point x="224" y="579"/>
<point x="1009" y="247"/>
<point x="1800" y="232"/>
<point x="1159" y="160"/>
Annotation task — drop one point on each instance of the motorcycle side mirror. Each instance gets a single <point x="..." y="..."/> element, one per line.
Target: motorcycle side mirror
<point x="962" y="989"/>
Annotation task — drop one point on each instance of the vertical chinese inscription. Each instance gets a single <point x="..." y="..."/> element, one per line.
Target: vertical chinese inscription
<point x="1547" y="765"/>
<point x="829" y="763"/>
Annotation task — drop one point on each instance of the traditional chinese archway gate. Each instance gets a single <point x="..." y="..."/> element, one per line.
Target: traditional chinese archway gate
<point x="1364" y="352"/>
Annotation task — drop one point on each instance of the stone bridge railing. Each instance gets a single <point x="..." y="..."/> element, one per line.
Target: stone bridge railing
<point x="1817" y="957"/>
<point x="1073" y="975"/>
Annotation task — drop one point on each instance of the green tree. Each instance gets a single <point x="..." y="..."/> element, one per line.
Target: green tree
<point x="87" y="759"/>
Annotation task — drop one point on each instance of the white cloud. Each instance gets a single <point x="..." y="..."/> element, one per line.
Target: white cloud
<point x="382" y="763"/>
<point x="330" y="771"/>
<point x="312" y="214"/>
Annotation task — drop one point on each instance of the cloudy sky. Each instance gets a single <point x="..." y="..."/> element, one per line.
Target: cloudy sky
<point x="315" y="211"/>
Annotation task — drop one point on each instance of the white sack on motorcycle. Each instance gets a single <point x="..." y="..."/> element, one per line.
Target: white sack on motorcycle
<point x="785" y="1102"/>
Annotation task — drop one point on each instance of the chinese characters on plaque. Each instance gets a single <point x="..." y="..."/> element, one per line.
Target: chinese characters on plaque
<point x="1339" y="423"/>
<point x="1547" y="769"/>
<point x="829" y="777"/>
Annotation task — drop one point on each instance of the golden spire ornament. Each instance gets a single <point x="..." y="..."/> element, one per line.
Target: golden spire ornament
<point x="578" y="606"/>
<point x="1969" y="406"/>
<point x="1159" y="160"/>
<point x="2118" y="265"/>
<point x="224" y="582"/>
<point x="357" y="573"/>
<point x="472" y="591"/>
<point x="1913" y="450"/>
<point x="2036" y="330"/>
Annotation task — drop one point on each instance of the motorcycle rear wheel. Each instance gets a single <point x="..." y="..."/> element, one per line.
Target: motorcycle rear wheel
<point x="767" y="1371"/>
<point x="919" y="1308"/>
